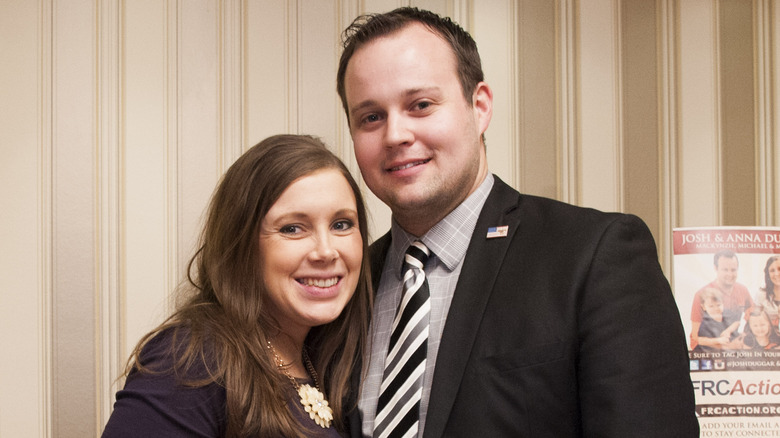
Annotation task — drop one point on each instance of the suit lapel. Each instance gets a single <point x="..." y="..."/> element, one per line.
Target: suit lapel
<point x="483" y="260"/>
<point x="377" y="254"/>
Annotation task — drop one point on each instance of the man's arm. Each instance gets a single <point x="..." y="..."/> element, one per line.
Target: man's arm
<point x="633" y="363"/>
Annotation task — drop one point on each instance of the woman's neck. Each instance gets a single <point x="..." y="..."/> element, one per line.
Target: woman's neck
<point x="290" y="353"/>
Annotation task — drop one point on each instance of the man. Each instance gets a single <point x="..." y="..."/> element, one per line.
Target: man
<point x="736" y="298"/>
<point x="545" y="319"/>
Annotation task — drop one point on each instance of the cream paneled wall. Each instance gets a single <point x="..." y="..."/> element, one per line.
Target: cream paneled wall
<point x="119" y="116"/>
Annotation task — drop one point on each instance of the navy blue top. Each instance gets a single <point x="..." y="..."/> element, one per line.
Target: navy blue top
<point x="153" y="404"/>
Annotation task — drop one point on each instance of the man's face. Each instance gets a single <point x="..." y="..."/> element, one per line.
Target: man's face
<point x="417" y="139"/>
<point x="727" y="272"/>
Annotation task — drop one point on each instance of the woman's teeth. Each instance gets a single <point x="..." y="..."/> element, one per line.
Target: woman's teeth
<point x="319" y="282"/>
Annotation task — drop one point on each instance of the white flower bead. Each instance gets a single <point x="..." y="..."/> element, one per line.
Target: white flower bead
<point x="315" y="404"/>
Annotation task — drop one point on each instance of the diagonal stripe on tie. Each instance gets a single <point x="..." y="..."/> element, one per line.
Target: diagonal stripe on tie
<point x="411" y="319"/>
<point x="398" y="407"/>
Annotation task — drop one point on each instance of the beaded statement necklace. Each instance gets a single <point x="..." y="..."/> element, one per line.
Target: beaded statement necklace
<point x="312" y="399"/>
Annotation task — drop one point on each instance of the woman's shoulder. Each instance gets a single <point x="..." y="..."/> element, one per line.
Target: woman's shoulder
<point x="161" y="399"/>
<point x="174" y="350"/>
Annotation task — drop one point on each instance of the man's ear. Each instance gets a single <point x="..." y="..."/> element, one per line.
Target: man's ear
<point x="483" y="105"/>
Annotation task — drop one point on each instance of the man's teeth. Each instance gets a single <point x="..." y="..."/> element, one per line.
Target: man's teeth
<point x="319" y="282"/>
<point x="406" y="166"/>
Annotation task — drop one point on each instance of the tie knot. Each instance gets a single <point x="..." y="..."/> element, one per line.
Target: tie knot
<point x="416" y="256"/>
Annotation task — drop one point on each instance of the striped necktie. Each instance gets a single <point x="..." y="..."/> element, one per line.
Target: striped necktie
<point x="398" y="409"/>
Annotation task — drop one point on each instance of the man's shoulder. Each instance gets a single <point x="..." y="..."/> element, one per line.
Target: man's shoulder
<point x="548" y="209"/>
<point x="712" y="284"/>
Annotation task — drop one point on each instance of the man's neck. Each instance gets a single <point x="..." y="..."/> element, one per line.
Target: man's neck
<point x="726" y="289"/>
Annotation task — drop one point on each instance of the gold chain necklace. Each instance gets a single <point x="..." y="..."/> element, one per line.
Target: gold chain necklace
<point x="312" y="399"/>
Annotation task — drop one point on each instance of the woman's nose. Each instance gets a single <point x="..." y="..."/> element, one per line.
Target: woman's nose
<point x="324" y="249"/>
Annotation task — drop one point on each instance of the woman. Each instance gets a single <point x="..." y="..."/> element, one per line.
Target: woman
<point x="759" y="332"/>
<point x="271" y="325"/>
<point x="769" y="296"/>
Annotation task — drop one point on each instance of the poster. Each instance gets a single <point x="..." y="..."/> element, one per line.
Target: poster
<point x="721" y="277"/>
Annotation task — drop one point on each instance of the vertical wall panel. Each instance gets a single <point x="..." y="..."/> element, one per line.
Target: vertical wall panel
<point x="198" y="106"/>
<point x="698" y="174"/>
<point x="498" y="55"/>
<point x="667" y="14"/>
<point x="567" y="119"/>
<point x="25" y="185"/>
<point x="737" y="112"/>
<point x="371" y="6"/>
<point x="599" y="107"/>
<point x="74" y="205"/>
<point x="318" y="52"/>
<point x="766" y="170"/>
<point x="267" y="69"/>
<point x="443" y="7"/>
<point x="536" y="144"/>
<point x="640" y="112"/>
<point x="149" y="93"/>
<point x="108" y="317"/>
<point x="231" y="81"/>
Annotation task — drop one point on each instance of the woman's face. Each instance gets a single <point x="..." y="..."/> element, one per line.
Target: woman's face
<point x="311" y="251"/>
<point x="759" y="325"/>
<point x="774" y="272"/>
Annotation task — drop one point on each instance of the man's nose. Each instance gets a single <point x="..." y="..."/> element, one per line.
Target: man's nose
<point x="397" y="131"/>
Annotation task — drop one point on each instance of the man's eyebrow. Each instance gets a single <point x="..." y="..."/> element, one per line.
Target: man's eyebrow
<point x="359" y="107"/>
<point x="410" y="92"/>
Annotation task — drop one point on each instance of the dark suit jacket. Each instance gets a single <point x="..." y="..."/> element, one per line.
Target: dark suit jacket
<point x="567" y="327"/>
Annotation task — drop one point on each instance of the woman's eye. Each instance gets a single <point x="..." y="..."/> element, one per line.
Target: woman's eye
<point x="290" y="229"/>
<point x="343" y="225"/>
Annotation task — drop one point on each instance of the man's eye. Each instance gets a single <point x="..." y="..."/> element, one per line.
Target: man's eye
<point x="423" y="105"/>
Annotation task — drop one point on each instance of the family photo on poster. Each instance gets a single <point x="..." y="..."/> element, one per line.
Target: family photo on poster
<point x="727" y="286"/>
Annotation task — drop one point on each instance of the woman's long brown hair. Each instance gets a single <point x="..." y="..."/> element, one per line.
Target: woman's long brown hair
<point x="222" y="319"/>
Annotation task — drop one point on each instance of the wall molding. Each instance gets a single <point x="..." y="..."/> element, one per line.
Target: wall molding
<point x="619" y="180"/>
<point x="568" y="137"/>
<point x="231" y="81"/>
<point x="44" y="221"/>
<point x="766" y="184"/>
<point x="514" y="71"/>
<point x="108" y="252"/>
<point x="172" y="125"/>
<point x="667" y="23"/>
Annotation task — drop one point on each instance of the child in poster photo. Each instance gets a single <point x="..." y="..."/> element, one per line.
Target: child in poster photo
<point x="759" y="332"/>
<point x="718" y="329"/>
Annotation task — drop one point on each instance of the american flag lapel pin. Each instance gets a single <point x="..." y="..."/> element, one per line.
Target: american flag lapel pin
<point x="494" y="232"/>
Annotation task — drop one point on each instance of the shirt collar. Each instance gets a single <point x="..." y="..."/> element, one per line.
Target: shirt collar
<point x="449" y="239"/>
